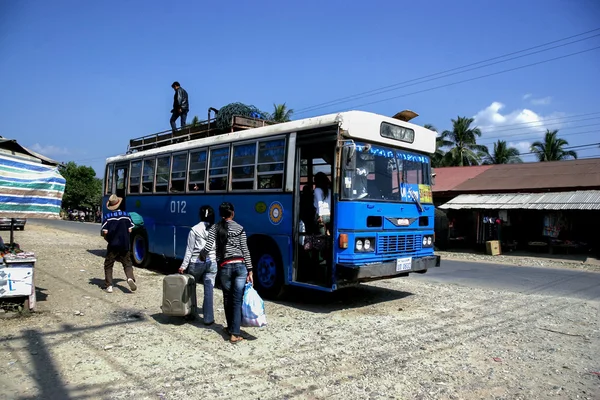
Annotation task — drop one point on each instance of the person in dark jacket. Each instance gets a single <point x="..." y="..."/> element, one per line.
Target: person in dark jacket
<point x="181" y="106"/>
<point x="116" y="228"/>
<point x="234" y="263"/>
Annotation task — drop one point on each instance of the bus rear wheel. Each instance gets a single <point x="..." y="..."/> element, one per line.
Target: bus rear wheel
<point x="140" y="256"/>
<point x="268" y="273"/>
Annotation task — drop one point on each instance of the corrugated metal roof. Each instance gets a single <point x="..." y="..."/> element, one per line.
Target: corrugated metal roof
<point x="579" y="200"/>
<point x="565" y="175"/>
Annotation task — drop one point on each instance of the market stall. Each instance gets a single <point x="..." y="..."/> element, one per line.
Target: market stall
<point x="30" y="187"/>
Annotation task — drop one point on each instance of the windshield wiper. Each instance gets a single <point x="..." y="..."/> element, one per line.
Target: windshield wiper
<point x="415" y="198"/>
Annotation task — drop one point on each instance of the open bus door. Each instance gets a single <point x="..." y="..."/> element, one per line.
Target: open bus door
<point x="312" y="266"/>
<point x="121" y="176"/>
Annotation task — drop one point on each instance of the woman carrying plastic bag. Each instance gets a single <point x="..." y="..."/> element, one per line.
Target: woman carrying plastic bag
<point x="253" y="308"/>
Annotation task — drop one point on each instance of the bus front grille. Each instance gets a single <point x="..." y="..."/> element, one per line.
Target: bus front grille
<point x="387" y="244"/>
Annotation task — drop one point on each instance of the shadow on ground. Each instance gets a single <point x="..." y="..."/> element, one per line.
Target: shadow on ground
<point x="197" y="322"/>
<point x="352" y="297"/>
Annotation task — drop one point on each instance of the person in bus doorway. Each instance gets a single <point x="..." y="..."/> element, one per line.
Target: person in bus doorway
<point x="235" y="266"/>
<point x="202" y="271"/>
<point x="181" y="106"/>
<point x="116" y="229"/>
<point x="322" y="202"/>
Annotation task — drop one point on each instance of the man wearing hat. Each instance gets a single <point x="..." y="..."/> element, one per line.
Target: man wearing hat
<point x="116" y="228"/>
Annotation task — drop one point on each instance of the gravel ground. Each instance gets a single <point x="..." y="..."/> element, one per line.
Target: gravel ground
<point x="521" y="259"/>
<point x="401" y="338"/>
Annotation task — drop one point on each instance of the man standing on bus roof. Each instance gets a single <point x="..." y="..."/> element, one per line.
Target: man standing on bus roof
<point x="181" y="106"/>
<point x="116" y="228"/>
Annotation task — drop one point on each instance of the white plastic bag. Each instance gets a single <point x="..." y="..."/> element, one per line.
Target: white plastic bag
<point x="253" y="308"/>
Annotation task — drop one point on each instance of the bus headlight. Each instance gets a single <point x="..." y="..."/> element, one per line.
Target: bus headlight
<point x="427" y="241"/>
<point x="364" y="244"/>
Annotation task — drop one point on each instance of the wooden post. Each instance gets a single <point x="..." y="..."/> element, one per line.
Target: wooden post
<point x="12" y="230"/>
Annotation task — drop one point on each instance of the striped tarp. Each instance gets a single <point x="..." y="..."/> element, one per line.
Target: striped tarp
<point x="29" y="189"/>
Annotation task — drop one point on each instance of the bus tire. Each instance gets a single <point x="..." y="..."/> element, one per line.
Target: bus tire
<point x="140" y="254"/>
<point x="268" y="267"/>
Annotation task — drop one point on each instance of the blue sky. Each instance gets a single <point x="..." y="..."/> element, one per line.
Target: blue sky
<point x="78" y="79"/>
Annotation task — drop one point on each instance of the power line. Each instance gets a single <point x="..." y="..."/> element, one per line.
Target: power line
<point x="472" y="79"/>
<point x="446" y="72"/>
<point x="580" y="147"/>
<point x="552" y="119"/>
<point x="538" y="124"/>
<point x="448" y="75"/>
<point x="524" y="135"/>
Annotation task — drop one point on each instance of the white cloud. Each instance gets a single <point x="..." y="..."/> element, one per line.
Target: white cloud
<point x="544" y="101"/>
<point x="492" y="121"/>
<point x="49" y="150"/>
<point x="527" y="96"/>
<point x="523" y="147"/>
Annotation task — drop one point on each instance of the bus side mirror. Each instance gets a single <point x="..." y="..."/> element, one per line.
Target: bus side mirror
<point x="433" y="175"/>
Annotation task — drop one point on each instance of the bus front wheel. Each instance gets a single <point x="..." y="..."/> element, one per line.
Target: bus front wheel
<point x="140" y="255"/>
<point x="268" y="272"/>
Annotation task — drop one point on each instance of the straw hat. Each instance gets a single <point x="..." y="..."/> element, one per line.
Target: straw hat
<point x="113" y="202"/>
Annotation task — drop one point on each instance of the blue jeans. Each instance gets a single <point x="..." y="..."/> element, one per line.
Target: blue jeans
<point x="233" y="280"/>
<point x="205" y="272"/>
<point x="176" y="115"/>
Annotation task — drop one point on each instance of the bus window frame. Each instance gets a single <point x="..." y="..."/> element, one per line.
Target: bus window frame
<point x="284" y="162"/>
<point x="189" y="171"/>
<point x="110" y="179"/>
<point x="131" y="175"/>
<point x="228" y="168"/>
<point x="144" y="159"/>
<point x="254" y="178"/>
<point x="162" y="156"/>
<point x="185" y="170"/>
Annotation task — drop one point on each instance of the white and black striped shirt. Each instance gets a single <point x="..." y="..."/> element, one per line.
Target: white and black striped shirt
<point x="236" y="247"/>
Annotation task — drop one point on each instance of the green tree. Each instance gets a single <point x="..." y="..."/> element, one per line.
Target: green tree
<point x="195" y="122"/>
<point x="502" y="154"/>
<point x="281" y="113"/>
<point x="552" y="148"/>
<point x="463" y="141"/>
<point x="82" y="189"/>
<point x="437" y="159"/>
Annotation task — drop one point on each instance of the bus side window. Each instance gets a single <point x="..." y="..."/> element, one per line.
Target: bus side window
<point x="243" y="166"/>
<point x="110" y="170"/>
<point x="197" y="173"/>
<point x="148" y="176"/>
<point x="178" y="173"/>
<point x="271" y="155"/>
<point x="135" y="177"/>
<point x="162" y="174"/>
<point x="219" y="168"/>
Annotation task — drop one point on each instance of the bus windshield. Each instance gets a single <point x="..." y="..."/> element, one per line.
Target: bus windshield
<point x="375" y="172"/>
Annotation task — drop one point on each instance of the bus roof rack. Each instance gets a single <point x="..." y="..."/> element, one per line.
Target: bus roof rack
<point x="200" y="130"/>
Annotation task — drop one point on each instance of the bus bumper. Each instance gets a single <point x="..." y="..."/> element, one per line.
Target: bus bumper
<point x="352" y="273"/>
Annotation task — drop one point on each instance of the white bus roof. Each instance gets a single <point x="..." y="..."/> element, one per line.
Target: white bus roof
<point x="358" y="125"/>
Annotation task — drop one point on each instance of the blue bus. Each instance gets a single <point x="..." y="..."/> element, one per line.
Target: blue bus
<point x="382" y="213"/>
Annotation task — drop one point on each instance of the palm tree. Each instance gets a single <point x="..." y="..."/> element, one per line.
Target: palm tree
<point x="281" y="113"/>
<point x="463" y="139"/>
<point x="437" y="159"/>
<point x="502" y="154"/>
<point x="551" y="149"/>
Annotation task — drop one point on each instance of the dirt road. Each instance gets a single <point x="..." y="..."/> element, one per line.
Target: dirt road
<point x="402" y="338"/>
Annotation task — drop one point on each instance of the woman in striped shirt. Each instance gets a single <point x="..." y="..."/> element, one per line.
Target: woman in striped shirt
<point x="235" y="266"/>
